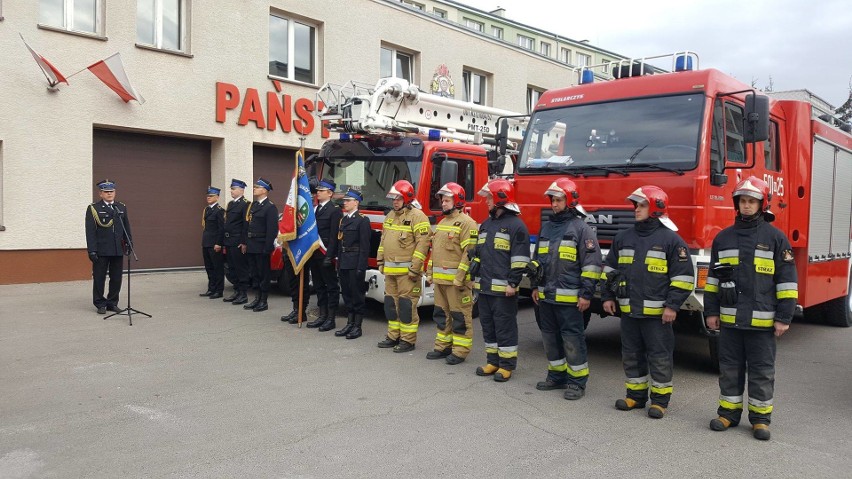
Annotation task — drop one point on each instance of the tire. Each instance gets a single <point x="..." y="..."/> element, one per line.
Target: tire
<point x="838" y="311"/>
<point x="713" y="343"/>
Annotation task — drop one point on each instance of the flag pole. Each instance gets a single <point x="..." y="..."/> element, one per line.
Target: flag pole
<point x="79" y="71"/>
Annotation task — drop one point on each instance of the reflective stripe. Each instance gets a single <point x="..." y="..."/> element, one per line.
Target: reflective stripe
<point x="593" y="272"/>
<point x="655" y="254"/>
<point x="482" y="237"/>
<point x="421" y="227"/>
<point x="567" y="244"/>
<point x="393" y="325"/>
<point x="491" y="348"/>
<point x="508" y="351"/>
<point x="763" y="319"/>
<point x="760" y="407"/>
<point x="450" y="228"/>
<point x="625" y="260"/>
<point x="786" y="290"/>
<point x="558" y="365"/>
<point x="661" y="388"/>
<point x="462" y="341"/>
<point x="579" y="371"/>
<point x="759" y="253"/>
<point x="419" y="255"/>
<point x="763" y="265"/>
<point x="443" y="338"/>
<point x="448" y="271"/>
<point x="626" y="252"/>
<point x="470" y="241"/>
<point x="393" y="227"/>
<point x="728" y="315"/>
<point x="408" y="327"/>
<point x="543" y="247"/>
<point x="520" y="259"/>
<point x="392" y="267"/>
<point x="443" y="277"/>
<point x="504" y="236"/>
<point x="652" y="307"/>
<point x="712" y="280"/>
<point x="381" y="249"/>
<point x="608" y="269"/>
<point x="566" y="295"/>
<point x="624" y="304"/>
<point x="712" y="285"/>
<point x="683" y="282"/>
<point x="730" y="256"/>
<point x="731" y="402"/>
<point x="637" y="384"/>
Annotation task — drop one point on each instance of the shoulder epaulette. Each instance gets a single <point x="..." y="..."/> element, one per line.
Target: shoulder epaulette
<point x="122" y="204"/>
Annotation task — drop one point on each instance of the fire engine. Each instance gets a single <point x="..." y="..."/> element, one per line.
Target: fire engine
<point x="393" y="131"/>
<point x="696" y="133"/>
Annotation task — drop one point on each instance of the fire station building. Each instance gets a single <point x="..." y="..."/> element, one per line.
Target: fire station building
<point x="228" y="93"/>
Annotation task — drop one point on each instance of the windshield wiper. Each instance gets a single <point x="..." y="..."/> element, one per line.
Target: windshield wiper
<point x="606" y="169"/>
<point x="550" y="169"/>
<point x="656" y="167"/>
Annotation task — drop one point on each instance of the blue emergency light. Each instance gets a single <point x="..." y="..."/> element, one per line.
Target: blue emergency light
<point x="588" y="76"/>
<point x="683" y="63"/>
<point x="344" y="137"/>
<point x="434" y="135"/>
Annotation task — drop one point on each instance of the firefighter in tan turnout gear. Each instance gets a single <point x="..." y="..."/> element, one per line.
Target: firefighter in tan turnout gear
<point x="401" y="258"/>
<point x="448" y="267"/>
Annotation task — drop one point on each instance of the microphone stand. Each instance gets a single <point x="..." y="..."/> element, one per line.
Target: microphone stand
<point x="131" y="251"/>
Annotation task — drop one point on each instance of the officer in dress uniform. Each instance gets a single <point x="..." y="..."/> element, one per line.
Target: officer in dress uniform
<point x="751" y="293"/>
<point x="326" y="284"/>
<point x="353" y="249"/>
<point x="212" y="237"/>
<point x="235" y="242"/>
<point x="106" y="221"/>
<point x="261" y="231"/>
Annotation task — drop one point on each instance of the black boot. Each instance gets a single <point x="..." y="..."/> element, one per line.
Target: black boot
<point x="240" y="299"/>
<point x="329" y="323"/>
<point x="232" y="297"/>
<point x="290" y="317"/>
<point x="350" y="323"/>
<point x="254" y="302"/>
<point x="262" y="304"/>
<point x="323" y="316"/>
<point x="355" y="332"/>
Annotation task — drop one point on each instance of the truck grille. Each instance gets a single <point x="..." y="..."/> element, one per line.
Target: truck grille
<point x="610" y="222"/>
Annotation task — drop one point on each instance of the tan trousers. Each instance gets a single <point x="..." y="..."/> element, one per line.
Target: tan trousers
<point x="454" y="317"/>
<point x="401" y="297"/>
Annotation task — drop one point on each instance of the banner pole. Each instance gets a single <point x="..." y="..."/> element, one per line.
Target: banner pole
<point x="301" y="294"/>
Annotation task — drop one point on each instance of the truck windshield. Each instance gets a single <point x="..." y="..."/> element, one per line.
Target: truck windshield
<point x="372" y="167"/>
<point x="627" y="135"/>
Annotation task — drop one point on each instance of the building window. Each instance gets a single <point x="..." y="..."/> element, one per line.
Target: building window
<point x="544" y="49"/>
<point x="439" y="13"/>
<point x="395" y="63"/>
<point x="292" y="49"/>
<point x="162" y="24"/>
<point x="533" y="94"/>
<point x="565" y="55"/>
<point x="416" y="5"/>
<point x="497" y="32"/>
<point x="474" y="25"/>
<point x="583" y="60"/>
<point x="474" y="87"/>
<point x="526" y="42"/>
<point x="73" y="15"/>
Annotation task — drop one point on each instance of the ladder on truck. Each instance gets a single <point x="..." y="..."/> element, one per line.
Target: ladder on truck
<point x="395" y="106"/>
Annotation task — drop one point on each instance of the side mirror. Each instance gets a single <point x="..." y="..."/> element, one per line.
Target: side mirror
<point x="718" y="179"/>
<point x="503" y="137"/>
<point x="756" y="119"/>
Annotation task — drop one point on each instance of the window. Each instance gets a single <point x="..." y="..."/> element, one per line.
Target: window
<point x="771" y="152"/>
<point x="73" y="15"/>
<point x="526" y="42"/>
<point x="474" y="25"/>
<point x="416" y="5"/>
<point x="727" y="125"/>
<point x="533" y="94"/>
<point x="497" y="32"/>
<point x="474" y="87"/>
<point x="292" y="49"/>
<point x="162" y="24"/>
<point x="395" y="63"/>
<point x="544" y="49"/>
<point x="583" y="60"/>
<point x="465" y="178"/>
<point x="439" y="13"/>
<point x="565" y="55"/>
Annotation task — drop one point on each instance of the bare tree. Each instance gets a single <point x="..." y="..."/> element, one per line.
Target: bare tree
<point x="844" y="111"/>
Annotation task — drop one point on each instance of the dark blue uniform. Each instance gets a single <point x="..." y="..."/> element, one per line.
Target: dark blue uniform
<point x="213" y="234"/>
<point x="261" y="231"/>
<point x="324" y="276"/>
<point x="353" y="249"/>
<point x="235" y="235"/>
<point x="105" y="243"/>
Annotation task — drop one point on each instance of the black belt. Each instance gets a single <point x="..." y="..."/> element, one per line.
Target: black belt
<point x="256" y="235"/>
<point x="351" y="249"/>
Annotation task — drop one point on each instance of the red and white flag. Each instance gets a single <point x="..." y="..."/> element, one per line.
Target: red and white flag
<point x="111" y="71"/>
<point x="54" y="77"/>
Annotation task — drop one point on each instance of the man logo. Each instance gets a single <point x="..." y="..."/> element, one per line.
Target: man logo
<point x="599" y="219"/>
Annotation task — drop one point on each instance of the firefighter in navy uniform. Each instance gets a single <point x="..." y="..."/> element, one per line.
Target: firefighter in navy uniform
<point x="447" y="269"/>
<point x="649" y="272"/>
<point x="326" y="284"/>
<point x="565" y="269"/>
<point x="105" y="223"/>
<point x="212" y="238"/>
<point x="401" y="258"/>
<point x="751" y="290"/>
<point x="353" y="249"/>
<point x="234" y="242"/>
<point x="502" y="255"/>
<point x="261" y="231"/>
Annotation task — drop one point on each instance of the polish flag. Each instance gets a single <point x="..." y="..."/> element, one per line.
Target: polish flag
<point x="54" y="77"/>
<point x="111" y="72"/>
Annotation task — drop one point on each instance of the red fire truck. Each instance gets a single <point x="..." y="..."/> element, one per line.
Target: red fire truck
<point x="696" y="133"/>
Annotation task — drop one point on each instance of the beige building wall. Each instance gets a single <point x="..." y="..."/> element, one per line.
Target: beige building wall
<point x="46" y="136"/>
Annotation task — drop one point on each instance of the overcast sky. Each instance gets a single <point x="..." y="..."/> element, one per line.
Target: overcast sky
<point x="800" y="44"/>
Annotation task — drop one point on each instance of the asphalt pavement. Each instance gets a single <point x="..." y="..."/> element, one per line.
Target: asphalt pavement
<point x="206" y="389"/>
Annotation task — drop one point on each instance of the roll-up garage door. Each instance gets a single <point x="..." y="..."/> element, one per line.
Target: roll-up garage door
<point x="163" y="182"/>
<point x="275" y="165"/>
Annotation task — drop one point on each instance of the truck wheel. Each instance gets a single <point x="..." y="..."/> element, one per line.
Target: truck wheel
<point x="713" y="342"/>
<point x="838" y="311"/>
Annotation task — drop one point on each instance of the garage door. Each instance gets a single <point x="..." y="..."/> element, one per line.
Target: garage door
<point x="163" y="181"/>
<point x="276" y="165"/>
